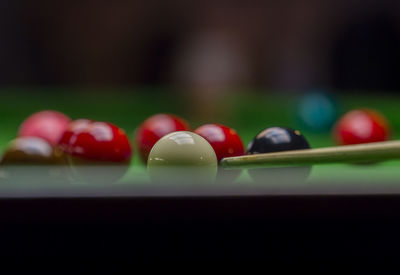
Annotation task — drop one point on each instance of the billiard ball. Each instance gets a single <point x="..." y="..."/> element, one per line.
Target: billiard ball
<point x="277" y="139"/>
<point x="154" y="128"/>
<point x="182" y="156"/>
<point x="49" y="125"/>
<point x="361" y="126"/>
<point x="98" y="152"/>
<point x="33" y="159"/>
<point x="226" y="143"/>
<point x="317" y="111"/>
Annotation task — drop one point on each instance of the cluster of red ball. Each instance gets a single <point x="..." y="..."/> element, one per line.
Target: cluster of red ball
<point x="52" y="138"/>
<point x="87" y="139"/>
<point x="86" y="142"/>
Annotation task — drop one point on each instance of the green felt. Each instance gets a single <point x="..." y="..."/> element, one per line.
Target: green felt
<point x="250" y="113"/>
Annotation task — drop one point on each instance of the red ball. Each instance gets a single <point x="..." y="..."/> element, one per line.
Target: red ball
<point x="224" y="140"/>
<point x="48" y="125"/>
<point x="361" y="126"/>
<point x="226" y="143"/>
<point x="90" y="144"/>
<point x="98" y="141"/>
<point x="154" y="128"/>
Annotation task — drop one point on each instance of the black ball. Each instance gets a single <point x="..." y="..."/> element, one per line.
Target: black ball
<point x="278" y="139"/>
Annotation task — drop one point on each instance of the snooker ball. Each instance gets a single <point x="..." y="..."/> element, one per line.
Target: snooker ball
<point x="226" y="143"/>
<point x="278" y="139"/>
<point x="154" y="128"/>
<point x="33" y="159"/>
<point x="98" y="152"/>
<point x="361" y="126"/>
<point x="317" y="111"/>
<point x="182" y="157"/>
<point x="49" y="125"/>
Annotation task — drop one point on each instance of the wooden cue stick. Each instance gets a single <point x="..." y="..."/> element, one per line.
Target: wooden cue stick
<point x="368" y="152"/>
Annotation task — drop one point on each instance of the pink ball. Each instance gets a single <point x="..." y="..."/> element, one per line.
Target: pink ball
<point x="49" y="125"/>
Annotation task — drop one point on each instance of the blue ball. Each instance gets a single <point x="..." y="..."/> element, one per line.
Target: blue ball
<point x="317" y="111"/>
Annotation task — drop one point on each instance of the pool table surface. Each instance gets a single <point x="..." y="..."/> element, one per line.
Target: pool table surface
<point x="346" y="209"/>
<point x="248" y="113"/>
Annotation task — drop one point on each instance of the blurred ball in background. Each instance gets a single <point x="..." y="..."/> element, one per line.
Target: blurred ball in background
<point x="317" y="111"/>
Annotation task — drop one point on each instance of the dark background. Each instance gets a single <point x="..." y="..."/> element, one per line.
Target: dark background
<point x="268" y="45"/>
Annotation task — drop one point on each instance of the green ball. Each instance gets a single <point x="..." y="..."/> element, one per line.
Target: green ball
<point x="182" y="156"/>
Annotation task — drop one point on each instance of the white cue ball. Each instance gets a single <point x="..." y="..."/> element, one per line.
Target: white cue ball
<point x="182" y="156"/>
